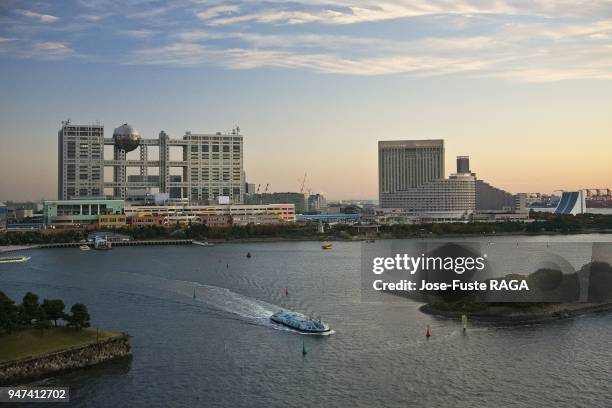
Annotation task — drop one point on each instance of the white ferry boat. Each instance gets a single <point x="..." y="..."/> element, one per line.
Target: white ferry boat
<point x="300" y="322"/>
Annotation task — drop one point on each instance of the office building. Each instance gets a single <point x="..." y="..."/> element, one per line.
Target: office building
<point x="405" y="165"/>
<point x="198" y="167"/>
<point x="80" y="161"/>
<point x="316" y="203"/>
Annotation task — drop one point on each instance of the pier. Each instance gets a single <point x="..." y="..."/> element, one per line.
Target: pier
<point x="120" y="243"/>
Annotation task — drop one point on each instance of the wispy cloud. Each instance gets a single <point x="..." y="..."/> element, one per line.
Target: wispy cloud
<point x="91" y="17"/>
<point x="543" y="40"/>
<point x="44" y="50"/>
<point x="139" y="34"/>
<point x="240" y="58"/>
<point x="45" y="18"/>
<point x="352" y="12"/>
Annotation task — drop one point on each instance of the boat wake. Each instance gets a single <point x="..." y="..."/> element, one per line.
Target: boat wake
<point x="246" y="308"/>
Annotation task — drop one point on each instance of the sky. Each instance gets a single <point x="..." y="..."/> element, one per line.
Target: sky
<point x="522" y="87"/>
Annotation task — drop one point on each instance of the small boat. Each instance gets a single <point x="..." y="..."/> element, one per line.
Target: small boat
<point x="300" y="322"/>
<point x="327" y="246"/>
<point x="14" y="259"/>
<point x="84" y="247"/>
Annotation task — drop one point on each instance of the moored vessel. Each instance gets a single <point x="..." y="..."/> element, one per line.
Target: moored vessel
<point x="14" y="259"/>
<point x="327" y="245"/>
<point x="299" y="322"/>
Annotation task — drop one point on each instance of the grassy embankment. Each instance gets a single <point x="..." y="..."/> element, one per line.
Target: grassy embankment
<point x="34" y="342"/>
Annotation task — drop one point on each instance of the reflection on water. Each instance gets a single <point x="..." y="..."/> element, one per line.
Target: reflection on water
<point x="220" y="349"/>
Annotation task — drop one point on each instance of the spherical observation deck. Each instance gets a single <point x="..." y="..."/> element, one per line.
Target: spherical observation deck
<point x="126" y="137"/>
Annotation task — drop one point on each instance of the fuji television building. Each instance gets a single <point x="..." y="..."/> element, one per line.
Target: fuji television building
<point x="197" y="168"/>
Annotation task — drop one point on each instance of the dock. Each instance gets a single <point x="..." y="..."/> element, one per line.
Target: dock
<point x="120" y="243"/>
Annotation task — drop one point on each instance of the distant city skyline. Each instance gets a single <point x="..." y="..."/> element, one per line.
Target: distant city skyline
<point x="524" y="91"/>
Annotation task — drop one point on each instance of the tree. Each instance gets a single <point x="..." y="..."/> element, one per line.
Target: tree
<point x="42" y="321"/>
<point x="54" y="309"/>
<point x="30" y="309"/>
<point x="8" y="313"/>
<point x="80" y="316"/>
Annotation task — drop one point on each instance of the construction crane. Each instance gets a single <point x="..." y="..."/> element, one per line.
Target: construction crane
<point x="303" y="183"/>
<point x="598" y="192"/>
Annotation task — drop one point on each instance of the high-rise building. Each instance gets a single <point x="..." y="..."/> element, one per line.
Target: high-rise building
<point x="404" y="165"/>
<point x="80" y="161"/>
<point x="316" y="202"/>
<point x="215" y="164"/>
<point x="198" y="167"/>
<point x="463" y="164"/>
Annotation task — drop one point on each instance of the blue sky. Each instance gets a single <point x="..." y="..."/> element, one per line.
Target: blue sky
<point x="522" y="87"/>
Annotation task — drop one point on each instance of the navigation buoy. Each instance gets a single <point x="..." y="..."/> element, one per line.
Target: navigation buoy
<point x="428" y="332"/>
<point x="304" y="352"/>
<point x="464" y="321"/>
<point x="194" y="296"/>
<point x="286" y="292"/>
<point x="248" y="254"/>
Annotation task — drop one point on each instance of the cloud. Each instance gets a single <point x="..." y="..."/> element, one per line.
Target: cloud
<point x="43" y="50"/>
<point x="344" y="12"/>
<point x="241" y="58"/>
<point x="543" y="40"/>
<point x="137" y="33"/>
<point x="216" y="11"/>
<point x="91" y="17"/>
<point x="45" y="18"/>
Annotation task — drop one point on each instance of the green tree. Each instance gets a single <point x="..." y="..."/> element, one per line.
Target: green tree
<point x="30" y="309"/>
<point x="8" y="313"/>
<point x="79" y="317"/>
<point x="42" y="321"/>
<point x="54" y="309"/>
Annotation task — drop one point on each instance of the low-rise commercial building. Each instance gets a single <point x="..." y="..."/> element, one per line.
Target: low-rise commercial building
<point x="299" y="200"/>
<point x="106" y="221"/>
<point x="212" y="215"/>
<point x="330" y="218"/>
<point x="79" y="213"/>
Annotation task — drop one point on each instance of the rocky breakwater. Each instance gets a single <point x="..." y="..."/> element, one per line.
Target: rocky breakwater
<point x="19" y="371"/>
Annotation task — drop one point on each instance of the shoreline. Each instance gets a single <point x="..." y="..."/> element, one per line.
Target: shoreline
<point x="21" y="370"/>
<point x="555" y="312"/>
<point x="216" y="241"/>
<point x="424" y="237"/>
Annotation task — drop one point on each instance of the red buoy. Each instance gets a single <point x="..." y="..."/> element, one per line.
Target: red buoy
<point x="428" y="332"/>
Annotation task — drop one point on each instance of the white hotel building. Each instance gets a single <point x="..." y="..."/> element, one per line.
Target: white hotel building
<point x="412" y="183"/>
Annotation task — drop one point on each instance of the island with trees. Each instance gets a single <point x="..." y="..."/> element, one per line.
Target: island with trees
<point x="38" y="339"/>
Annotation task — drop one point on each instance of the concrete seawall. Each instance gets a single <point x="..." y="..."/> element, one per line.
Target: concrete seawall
<point x="19" y="371"/>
